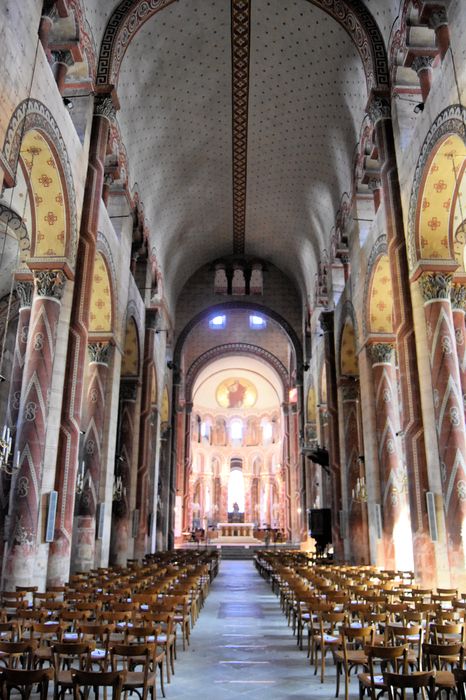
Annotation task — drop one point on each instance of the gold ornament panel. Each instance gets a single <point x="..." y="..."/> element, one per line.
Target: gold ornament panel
<point x="101" y="298"/>
<point x="130" y="363"/>
<point x="311" y="405"/>
<point x="437" y="199"/>
<point x="381" y="298"/>
<point x="349" y="361"/>
<point x="48" y="201"/>
<point x="236" y="393"/>
<point x="165" y="409"/>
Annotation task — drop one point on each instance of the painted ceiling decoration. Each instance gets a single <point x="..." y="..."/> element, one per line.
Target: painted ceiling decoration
<point x="349" y="360"/>
<point x="130" y="362"/>
<point x="240" y="45"/>
<point x="49" y="227"/>
<point x="236" y="392"/>
<point x="381" y="298"/>
<point x="101" y="299"/>
<point x="214" y="79"/>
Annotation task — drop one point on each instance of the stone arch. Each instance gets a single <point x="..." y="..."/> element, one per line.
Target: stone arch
<point x="32" y="128"/>
<point x="248" y="306"/>
<point x="435" y="233"/>
<point x="233" y="349"/>
<point x="354" y="17"/>
<point x="378" y="294"/>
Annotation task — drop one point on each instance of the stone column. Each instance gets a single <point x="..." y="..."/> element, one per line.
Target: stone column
<point x="423" y="67"/>
<point x="119" y="536"/>
<point x="358" y="533"/>
<point x="68" y="442"/>
<point x="327" y="324"/>
<point x="449" y="414"/>
<point x="392" y="473"/>
<point x="458" y="307"/>
<point x="146" y="435"/>
<point x="31" y="431"/>
<point x="85" y="534"/>
<point x="25" y="292"/>
<point x="412" y="423"/>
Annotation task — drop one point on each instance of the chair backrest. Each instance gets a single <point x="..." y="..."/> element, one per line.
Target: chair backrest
<point x="18" y="654"/>
<point x="437" y="655"/>
<point x="23" y="681"/>
<point x="421" y="680"/>
<point x="76" y="655"/>
<point x="84" y="681"/>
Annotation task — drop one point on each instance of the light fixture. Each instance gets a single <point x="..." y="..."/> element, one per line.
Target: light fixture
<point x="119" y="491"/>
<point x="5" y="452"/>
<point x="80" y="480"/>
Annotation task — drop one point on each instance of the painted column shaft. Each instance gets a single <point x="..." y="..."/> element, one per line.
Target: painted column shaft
<point x="387" y="418"/>
<point x="413" y="429"/>
<point x="26" y="486"/>
<point x="76" y="360"/>
<point x="85" y="533"/>
<point x="449" y="413"/>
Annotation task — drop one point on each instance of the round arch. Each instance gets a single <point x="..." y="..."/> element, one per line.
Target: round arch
<point x="33" y="142"/>
<point x="234" y="349"/>
<point x="247" y="306"/>
<point x="435" y="231"/>
<point x="353" y="16"/>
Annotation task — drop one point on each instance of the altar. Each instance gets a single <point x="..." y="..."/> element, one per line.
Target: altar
<point x="235" y="530"/>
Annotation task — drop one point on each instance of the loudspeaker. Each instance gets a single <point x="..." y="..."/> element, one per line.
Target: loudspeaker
<point x="320" y="524"/>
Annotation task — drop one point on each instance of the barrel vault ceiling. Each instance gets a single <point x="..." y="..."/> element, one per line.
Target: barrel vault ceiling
<point x="240" y="128"/>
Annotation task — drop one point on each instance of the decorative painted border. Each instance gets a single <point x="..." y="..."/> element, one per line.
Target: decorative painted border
<point x="451" y="121"/>
<point x="379" y="248"/>
<point x="32" y="114"/>
<point x="234" y="349"/>
<point x="240" y="50"/>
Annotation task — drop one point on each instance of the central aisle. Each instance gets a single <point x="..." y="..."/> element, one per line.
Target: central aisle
<point x="241" y="645"/>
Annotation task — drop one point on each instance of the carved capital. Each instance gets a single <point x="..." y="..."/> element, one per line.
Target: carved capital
<point x="379" y="108"/>
<point x="25" y="291"/>
<point x="438" y="18"/>
<point x="103" y="107"/>
<point x="435" y="285"/>
<point x="65" y="57"/>
<point x="375" y="183"/>
<point x="381" y="353"/>
<point x="99" y="352"/>
<point x="50" y="283"/>
<point x="458" y="297"/>
<point x="421" y="63"/>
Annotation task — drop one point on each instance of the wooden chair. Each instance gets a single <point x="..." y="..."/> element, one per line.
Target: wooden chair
<point x="352" y="653"/>
<point x="166" y="638"/>
<point x="68" y="657"/>
<point x="84" y="681"/>
<point x="23" y="681"/>
<point x="329" y="637"/>
<point x="388" y="659"/>
<point x="148" y="634"/>
<point x="398" y="683"/>
<point x="127" y="657"/>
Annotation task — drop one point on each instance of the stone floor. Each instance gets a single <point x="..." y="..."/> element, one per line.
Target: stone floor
<point x="242" y="646"/>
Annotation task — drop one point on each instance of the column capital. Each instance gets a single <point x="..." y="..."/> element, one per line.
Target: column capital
<point x="374" y="183"/>
<point x="63" y="56"/>
<point x="104" y="107"/>
<point x="458" y="297"/>
<point x="50" y="283"/>
<point x="25" y="292"/>
<point x="99" y="352"/>
<point x="421" y="63"/>
<point x="435" y="285"/>
<point x="438" y="18"/>
<point x="381" y="353"/>
<point x="378" y="107"/>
